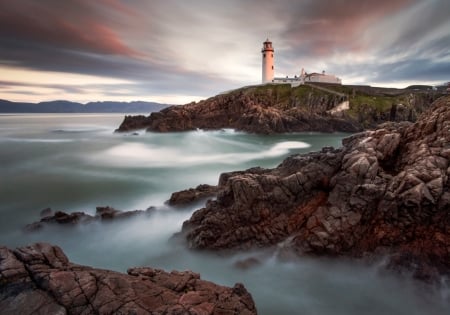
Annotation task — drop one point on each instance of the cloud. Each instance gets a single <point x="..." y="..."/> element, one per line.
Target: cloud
<point x="70" y="24"/>
<point x="322" y="27"/>
<point x="61" y="87"/>
<point x="202" y="47"/>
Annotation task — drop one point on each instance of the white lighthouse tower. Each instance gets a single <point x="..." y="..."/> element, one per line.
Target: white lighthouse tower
<point x="267" y="62"/>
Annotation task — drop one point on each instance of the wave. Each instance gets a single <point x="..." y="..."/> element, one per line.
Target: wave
<point x="133" y="154"/>
<point x="78" y="130"/>
<point x="39" y="140"/>
<point x="284" y="147"/>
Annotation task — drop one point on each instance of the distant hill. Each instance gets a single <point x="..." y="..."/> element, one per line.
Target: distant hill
<point x="73" y="107"/>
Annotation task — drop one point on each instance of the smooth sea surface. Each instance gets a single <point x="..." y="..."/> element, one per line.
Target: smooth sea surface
<point x="75" y="162"/>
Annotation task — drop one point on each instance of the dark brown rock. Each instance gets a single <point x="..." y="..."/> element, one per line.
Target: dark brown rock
<point x="252" y="110"/>
<point x="131" y="123"/>
<point x="102" y="214"/>
<point x="386" y="188"/>
<point x="47" y="212"/>
<point x="39" y="279"/>
<point x="192" y="195"/>
<point x="247" y="263"/>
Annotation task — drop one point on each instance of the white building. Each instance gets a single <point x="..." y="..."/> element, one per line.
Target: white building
<point x="268" y="71"/>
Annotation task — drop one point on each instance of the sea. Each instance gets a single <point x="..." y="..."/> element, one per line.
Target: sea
<point x="76" y="162"/>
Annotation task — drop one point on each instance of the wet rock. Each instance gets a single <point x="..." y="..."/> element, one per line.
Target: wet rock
<point x="39" y="279"/>
<point x="192" y="195"/>
<point x="47" y="212"/>
<point x="102" y="214"/>
<point x="386" y="188"/>
<point x="247" y="263"/>
<point x="131" y="123"/>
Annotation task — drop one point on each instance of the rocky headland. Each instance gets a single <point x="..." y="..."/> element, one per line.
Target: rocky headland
<point x="268" y="109"/>
<point x="386" y="192"/>
<point x="39" y="279"/>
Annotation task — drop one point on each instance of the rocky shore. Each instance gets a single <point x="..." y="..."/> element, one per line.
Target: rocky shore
<point x="385" y="192"/>
<point x="39" y="279"/>
<point x="272" y="109"/>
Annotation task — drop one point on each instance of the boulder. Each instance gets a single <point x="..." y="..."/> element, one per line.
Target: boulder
<point x="192" y="195"/>
<point x="39" y="279"/>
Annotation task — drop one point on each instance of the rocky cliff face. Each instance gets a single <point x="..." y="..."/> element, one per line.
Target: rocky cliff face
<point x="265" y="109"/>
<point x="386" y="191"/>
<point x="39" y="279"/>
<point x="280" y="108"/>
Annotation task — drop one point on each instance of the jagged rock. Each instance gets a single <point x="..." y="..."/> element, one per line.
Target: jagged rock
<point x="131" y="123"/>
<point x="252" y="110"/>
<point x="385" y="188"/>
<point x="39" y="279"/>
<point x="102" y="213"/>
<point x="279" y="108"/>
<point x="192" y="195"/>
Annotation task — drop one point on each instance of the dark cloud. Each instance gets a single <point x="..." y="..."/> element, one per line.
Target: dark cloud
<point x="70" y="24"/>
<point x="414" y="69"/>
<point x="60" y="87"/>
<point x="323" y="27"/>
<point x="77" y="36"/>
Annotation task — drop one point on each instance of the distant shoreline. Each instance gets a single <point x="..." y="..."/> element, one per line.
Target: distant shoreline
<point x="67" y="107"/>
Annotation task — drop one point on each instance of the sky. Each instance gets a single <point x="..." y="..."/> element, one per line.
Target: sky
<point x="178" y="51"/>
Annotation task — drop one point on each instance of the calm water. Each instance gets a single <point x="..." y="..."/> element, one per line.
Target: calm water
<point x="76" y="162"/>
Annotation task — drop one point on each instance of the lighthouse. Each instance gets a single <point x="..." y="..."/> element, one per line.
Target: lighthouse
<point x="267" y="62"/>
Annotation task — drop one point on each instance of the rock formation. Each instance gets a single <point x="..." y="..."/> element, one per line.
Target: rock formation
<point x="131" y="123"/>
<point x="280" y="109"/>
<point x="385" y="192"/>
<point x="39" y="279"/>
<point x="102" y="214"/>
<point x="192" y="195"/>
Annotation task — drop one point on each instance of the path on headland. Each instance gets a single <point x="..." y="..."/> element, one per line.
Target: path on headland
<point x="326" y="90"/>
<point x="344" y="105"/>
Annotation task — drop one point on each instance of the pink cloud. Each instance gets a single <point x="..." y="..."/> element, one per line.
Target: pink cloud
<point x="326" y="26"/>
<point x="66" y="24"/>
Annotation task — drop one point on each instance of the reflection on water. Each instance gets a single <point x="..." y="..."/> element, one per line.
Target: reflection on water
<point x="76" y="163"/>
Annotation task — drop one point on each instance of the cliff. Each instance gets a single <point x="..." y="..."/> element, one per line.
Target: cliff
<point x="385" y="192"/>
<point x="279" y="109"/>
<point x="39" y="279"/>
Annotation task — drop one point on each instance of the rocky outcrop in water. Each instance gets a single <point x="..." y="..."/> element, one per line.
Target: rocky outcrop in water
<point x="257" y="110"/>
<point x="279" y="109"/>
<point x="73" y="218"/>
<point x="131" y="123"/>
<point x="39" y="279"/>
<point x="385" y="192"/>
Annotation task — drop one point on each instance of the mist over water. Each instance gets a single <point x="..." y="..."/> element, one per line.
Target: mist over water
<point x="76" y="162"/>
